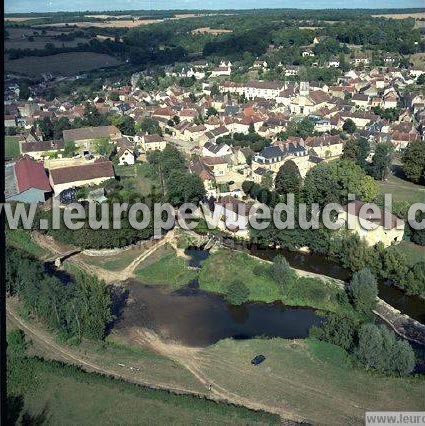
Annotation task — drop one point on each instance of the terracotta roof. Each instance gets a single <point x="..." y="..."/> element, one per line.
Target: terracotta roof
<point x="95" y="170"/>
<point x="41" y="146"/>
<point x="31" y="174"/>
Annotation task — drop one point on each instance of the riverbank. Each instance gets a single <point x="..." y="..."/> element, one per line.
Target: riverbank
<point x="149" y="267"/>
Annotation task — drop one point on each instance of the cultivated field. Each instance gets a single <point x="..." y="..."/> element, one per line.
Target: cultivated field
<point x="417" y="15"/>
<point x="121" y="23"/>
<point x="60" y="64"/>
<point x="23" y="19"/>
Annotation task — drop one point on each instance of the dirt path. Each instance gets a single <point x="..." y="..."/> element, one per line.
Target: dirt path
<point x="190" y="358"/>
<point x="185" y="356"/>
<point x="46" y="340"/>
<point x="108" y="276"/>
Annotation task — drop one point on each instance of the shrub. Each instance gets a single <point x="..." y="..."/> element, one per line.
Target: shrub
<point x="282" y="273"/>
<point x="337" y="330"/>
<point x="237" y="293"/>
<point x="363" y="290"/>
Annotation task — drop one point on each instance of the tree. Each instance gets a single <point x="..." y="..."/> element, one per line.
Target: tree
<point x="103" y="146"/>
<point x="46" y="128"/>
<point x="69" y="149"/>
<point x="288" y="179"/>
<point x="363" y="290"/>
<point x="418" y="235"/>
<point x="124" y="123"/>
<point x="379" y="349"/>
<point x="414" y="160"/>
<point x="363" y="151"/>
<point x="382" y="160"/>
<point x="92" y="117"/>
<point x="421" y="80"/>
<point x="332" y="182"/>
<point x="369" y="350"/>
<point x="184" y="187"/>
<point x="59" y="126"/>
<point x="150" y="126"/>
<point x="211" y="111"/>
<point x="237" y="293"/>
<point x="267" y="180"/>
<point x="16" y="343"/>
<point x="282" y="272"/>
<point x="338" y="330"/>
<point x="93" y="306"/>
<point x="349" y="126"/>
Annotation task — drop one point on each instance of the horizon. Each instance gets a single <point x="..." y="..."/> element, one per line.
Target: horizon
<point x="28" y="6"/>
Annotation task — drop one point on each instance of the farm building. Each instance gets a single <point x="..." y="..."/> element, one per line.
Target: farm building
<point x="26" y="181"/>
<point x="86" y="174"/>
<point x="85" y="136"/>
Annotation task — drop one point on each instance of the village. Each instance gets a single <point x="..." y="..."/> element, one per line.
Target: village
<point x="228" y="132"/>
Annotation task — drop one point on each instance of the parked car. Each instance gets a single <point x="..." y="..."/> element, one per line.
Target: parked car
<point x="258" y="359"/>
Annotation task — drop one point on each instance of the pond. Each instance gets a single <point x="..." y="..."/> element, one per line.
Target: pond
<point x="196" y="318"/>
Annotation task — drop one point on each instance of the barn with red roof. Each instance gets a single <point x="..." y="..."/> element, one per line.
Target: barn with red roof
<point x="27" y="181"/>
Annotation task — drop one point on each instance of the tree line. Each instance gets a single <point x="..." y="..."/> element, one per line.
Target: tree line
<point x="78" y="308"/>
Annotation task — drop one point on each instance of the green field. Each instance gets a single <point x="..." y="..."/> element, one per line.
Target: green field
<point x="164" y="267"/>
<point x="63" y="394"/>
<point x="226" y="266"/>
<point x="21" y="239"/>
<point x="137" y="178"/>
<point x="223" y="267"/>
<point x="403" y="190"/>
<point x="309" y="378"/>
<point x="414" y="252"/>
<point x="11" y="148"/>
<point x="61" y="64"/>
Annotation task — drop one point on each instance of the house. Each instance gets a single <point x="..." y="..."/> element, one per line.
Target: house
<point x="26" y="181"/>
<point x="84" y="137"/>
<point x="360" y="59"/>
<point x="382" y="227"/>
<point x="151" y="142"/>
<point x="233" y="215"/>
<point x="325" y="147"/>
<point x="219" y="166"/>
<point x="334" y="63"/>
<point x="41" y="149"/>
<point x="389" y="100"/>
<point x="94" y="173"/>
<point x="224" y="69"/>
<point x="307" y="53"/>
<point x="400" y="140"/>
<point x="262" y="89"/>
<point x="360" y="100"/>
<point x="9" y="121"/>
<point x="125" y="156"/>
<point x="271" y="158"/>
<point x="215" y="150"/>
<point x="207" y="177"/>
<point x="291" y="70"/>
<point x="258" y="174"/>
<point x="259" y="64"/>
